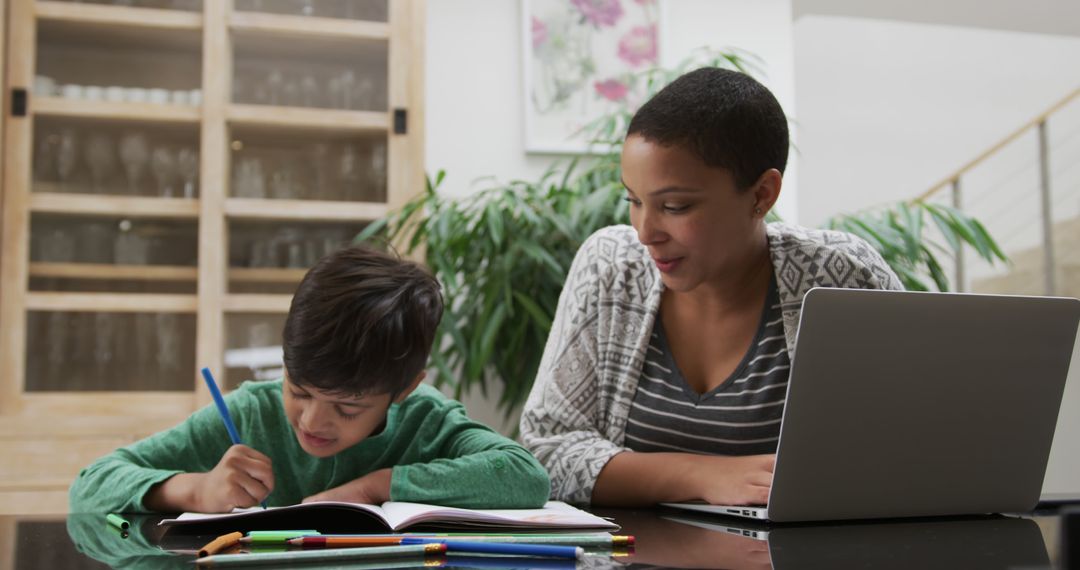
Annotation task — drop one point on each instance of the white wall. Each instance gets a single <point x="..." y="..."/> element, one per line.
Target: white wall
<point x="886" y="109"/>
<point x="474" y="78"/>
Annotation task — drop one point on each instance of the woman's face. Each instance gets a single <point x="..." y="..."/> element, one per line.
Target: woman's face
<point x="695" y="222"/>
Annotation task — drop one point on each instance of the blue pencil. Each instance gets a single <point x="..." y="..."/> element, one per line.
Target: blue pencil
<point x="571" y="552"/>
<point x="219" y="401"/>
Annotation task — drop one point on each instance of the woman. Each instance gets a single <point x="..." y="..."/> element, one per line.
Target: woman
<point x="665" y="373"/>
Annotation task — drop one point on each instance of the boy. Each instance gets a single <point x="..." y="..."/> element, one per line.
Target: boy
<point x="350" y="420"/>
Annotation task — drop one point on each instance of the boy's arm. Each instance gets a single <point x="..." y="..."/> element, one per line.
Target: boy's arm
<point x="477" y="468"/>
<point x="118" y="482"/>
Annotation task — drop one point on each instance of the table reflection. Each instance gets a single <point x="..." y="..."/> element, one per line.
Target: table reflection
<point x="689" y="540"/>
<point x="665" y="539"/>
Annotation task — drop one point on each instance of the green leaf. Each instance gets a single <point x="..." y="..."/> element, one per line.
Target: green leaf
<point x="538" y="314"/>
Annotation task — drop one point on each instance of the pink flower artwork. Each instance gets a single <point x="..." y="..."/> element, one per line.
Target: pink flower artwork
<point x="638" y="46"/>
<point x="539" y="32"/>
<point x="611" y="89"/>
<point x="599" y="12"/>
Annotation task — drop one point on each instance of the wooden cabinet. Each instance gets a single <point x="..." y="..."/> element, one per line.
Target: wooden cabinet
<point x="175" y="168"/>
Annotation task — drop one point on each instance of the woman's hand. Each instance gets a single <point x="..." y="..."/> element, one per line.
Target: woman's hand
<point x="728" y="480"/>
<point x="643" y="479"/>
<point x="372" y="489"/>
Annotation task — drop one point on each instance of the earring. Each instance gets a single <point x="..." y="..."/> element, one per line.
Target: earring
<point x="757" y="210"/>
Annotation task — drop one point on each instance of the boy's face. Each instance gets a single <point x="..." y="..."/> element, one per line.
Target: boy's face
<point x="695" y="222"/>
<point x="326" y="424"/>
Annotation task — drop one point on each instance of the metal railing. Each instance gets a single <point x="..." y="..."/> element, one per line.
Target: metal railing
<point x="953" y="183"/>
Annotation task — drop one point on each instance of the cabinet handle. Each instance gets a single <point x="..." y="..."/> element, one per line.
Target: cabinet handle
<point x="18" y="102"/>
<point x="400" y="121"/>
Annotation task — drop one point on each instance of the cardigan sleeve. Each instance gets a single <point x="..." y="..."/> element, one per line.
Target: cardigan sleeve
<point x="561" y="420"/>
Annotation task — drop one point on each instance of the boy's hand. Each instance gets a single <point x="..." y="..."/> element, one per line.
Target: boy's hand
<point x="725" y="480"/>
<point x="372" y="489"/>
<point x="243" y="478"/>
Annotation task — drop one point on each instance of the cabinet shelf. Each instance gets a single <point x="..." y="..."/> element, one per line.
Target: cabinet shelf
<point x="256" y="303"/>
<point x="160" y="272"/>
<point x="116" y="18"/>
<point x="102" y="25"/>
<point x="113" y="206"/>
<point x="107" y="271"/>
<point x="116" y="111"/>
<point x="300" y="119"/>
<point x="303" y="210"/>
<point x="307" y="27"/>
<point x="111" y="302"/>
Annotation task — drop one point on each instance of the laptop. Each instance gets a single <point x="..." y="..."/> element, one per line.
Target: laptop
<point x="907" y="404"/>
<point x="968" y="542"/>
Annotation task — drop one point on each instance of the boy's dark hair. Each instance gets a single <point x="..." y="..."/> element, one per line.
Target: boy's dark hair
<point x="361" y="322"/>
<point x="726" y="118"/>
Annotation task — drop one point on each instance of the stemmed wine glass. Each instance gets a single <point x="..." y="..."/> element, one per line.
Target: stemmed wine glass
<point x="187" y="161"/>
<point x="163" y="166"/>
<point x="67" y="156"/>
<point x="134" y="153"/>
<point x="101" y="157"/>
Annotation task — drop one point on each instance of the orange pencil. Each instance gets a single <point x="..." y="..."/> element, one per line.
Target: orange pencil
<point x="220" y="543"/>
<point x="344" y="541"/>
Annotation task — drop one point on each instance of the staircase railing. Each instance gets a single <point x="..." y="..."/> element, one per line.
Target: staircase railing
<point x="954" y="183"/>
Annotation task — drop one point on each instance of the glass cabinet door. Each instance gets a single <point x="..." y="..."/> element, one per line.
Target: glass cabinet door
<point x="179" y="166"/>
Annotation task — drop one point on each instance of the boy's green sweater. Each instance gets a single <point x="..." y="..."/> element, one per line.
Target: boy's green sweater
<point x="437" y="453"/>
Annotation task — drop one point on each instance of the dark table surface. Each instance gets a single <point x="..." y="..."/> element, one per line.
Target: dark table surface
<point x="665" y="539"/>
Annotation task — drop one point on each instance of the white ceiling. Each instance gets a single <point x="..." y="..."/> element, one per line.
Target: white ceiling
<point x="1058" y="17"/>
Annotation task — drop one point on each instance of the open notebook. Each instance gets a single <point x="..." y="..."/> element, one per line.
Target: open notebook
<point x="328" y="516"/>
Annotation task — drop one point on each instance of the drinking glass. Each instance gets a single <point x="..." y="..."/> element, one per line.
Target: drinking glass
<point x="134" y="154"/>
<point x="187" y="160"/>
<point x="131" y="248"/>
<point x="168" y="344"/>
<point x="45" y="165"/>
<point x="349" y="172"/>
<point x="309" y="92"/>
<point x="163" y="166"/>
<point x="377" y="174"/>
<point x="67" y="157"/>
<point x="104" y="343"/>
<point x="347" y="84"/>
<point x="101" y="157"/>
<point x="274" y="83"/>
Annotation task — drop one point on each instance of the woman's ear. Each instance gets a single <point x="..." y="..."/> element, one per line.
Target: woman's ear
<point x="767" y="191"/>
<point x="405" y="393"/>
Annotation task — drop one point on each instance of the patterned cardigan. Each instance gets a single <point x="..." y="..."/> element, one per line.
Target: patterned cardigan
<point x="575" y="418"/>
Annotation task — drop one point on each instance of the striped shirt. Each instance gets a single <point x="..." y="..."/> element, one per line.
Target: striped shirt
<point x="741" y="416"/>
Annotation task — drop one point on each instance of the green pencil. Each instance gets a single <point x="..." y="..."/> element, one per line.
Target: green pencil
<point x="117" y="521"/>
<point x="334" y="554"/>
<point x="275" y="536"/>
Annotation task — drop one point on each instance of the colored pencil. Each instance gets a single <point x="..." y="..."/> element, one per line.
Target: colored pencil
<point x="220" y="543"/>
<point x="117" y="521"/>
<point x="219" y="401"/>
<point x="275" y="536"/>
<point x="508" y="562"/>
<point x="502" y="548"/>
<point x="333" y="554"/>
<point x="347" y="540"/>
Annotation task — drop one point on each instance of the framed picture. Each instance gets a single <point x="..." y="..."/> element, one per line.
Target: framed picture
<point x="581" y="58"/>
